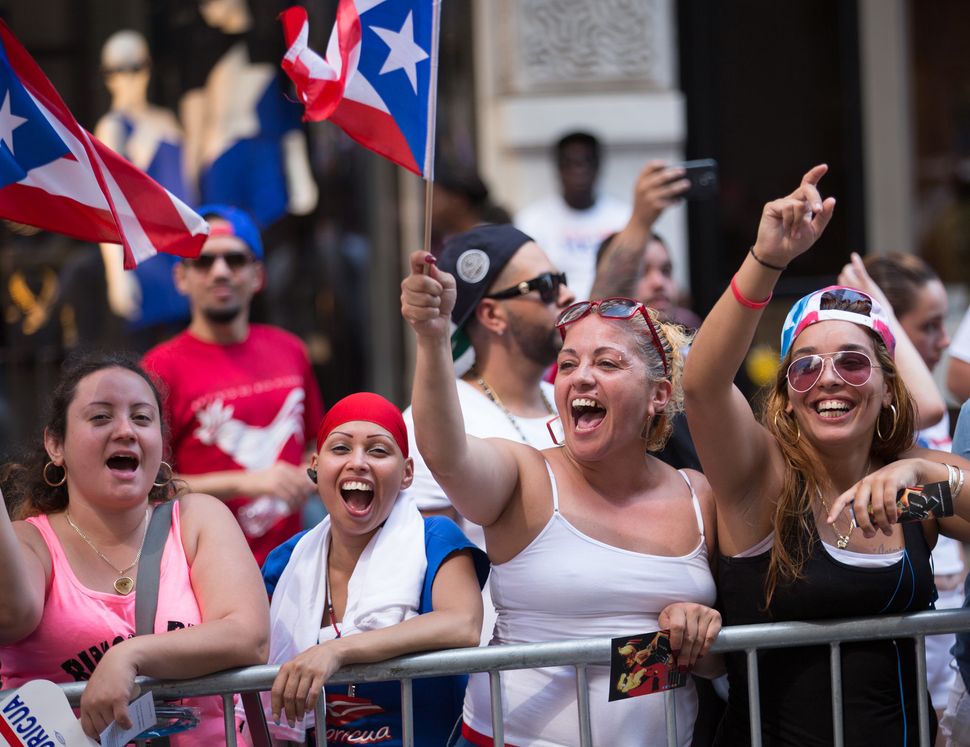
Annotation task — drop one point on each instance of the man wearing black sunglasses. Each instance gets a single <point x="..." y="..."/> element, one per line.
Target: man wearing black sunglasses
<point x="242" y="401"/>
<point x="509" y="296"/>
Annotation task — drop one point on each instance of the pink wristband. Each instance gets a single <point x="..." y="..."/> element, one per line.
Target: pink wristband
<point x="744" y="300"/>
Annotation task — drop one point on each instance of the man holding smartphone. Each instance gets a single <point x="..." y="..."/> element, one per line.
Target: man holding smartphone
<point x="636" y="259"/>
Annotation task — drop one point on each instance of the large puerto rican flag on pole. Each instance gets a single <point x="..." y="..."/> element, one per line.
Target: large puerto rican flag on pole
<point x="57" y="176"/>
<point x="378" y="81"/>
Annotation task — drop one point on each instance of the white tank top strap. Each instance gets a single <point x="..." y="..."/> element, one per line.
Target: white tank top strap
<point x="555" y="488"/>
<point x="697" y="503"/>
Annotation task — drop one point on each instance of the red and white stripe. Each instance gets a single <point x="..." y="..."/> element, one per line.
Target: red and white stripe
<point x="94" y="194"/>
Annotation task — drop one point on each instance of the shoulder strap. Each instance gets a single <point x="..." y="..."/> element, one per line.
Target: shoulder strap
<point x="697" y="504"/>
<point x="554" y="486"/>
<point x="149" y="568"/>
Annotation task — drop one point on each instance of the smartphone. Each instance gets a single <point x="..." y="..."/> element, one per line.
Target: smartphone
<point x="702" y="175"/>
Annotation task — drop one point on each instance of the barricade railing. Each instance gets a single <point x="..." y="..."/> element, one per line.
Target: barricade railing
<point x="580" y="654"/>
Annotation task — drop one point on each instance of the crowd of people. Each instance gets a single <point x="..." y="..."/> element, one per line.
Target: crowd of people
<point x="586" y="455"/>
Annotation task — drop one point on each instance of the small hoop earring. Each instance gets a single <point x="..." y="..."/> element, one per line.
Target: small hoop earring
<point x="171" y="475"/>
<point x="47" y="480"/>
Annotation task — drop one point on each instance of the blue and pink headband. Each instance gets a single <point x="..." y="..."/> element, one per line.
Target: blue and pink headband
<point x="836" y="302"/>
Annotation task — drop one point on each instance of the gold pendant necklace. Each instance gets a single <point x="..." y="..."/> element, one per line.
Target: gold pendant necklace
<point x="843" y="539"/>
<point x="124" y="583"/>
<point x="501" y="405"/>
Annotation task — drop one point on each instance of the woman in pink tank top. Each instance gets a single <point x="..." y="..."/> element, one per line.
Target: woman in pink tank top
<point x="82" y="502"/>
<point x="602" y="493"/>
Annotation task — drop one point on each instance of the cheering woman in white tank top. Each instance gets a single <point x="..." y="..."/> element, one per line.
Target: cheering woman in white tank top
<point x="595" y="538"/>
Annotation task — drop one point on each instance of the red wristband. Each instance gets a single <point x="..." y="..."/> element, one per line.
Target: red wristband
<point x="745" y="301"/>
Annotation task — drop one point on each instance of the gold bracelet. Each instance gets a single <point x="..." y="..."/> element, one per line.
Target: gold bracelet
<point x="959" y="484"/>
<point x="951" y="478"/>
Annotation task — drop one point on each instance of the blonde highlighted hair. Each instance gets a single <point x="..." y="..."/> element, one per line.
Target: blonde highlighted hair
<point x="673" y="339"/>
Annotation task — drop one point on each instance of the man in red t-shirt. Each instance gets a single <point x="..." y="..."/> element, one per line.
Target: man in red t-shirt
<point x="241" y="400"/>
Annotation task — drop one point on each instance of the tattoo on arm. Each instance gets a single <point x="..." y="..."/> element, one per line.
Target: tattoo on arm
<point x="619" y="270"/>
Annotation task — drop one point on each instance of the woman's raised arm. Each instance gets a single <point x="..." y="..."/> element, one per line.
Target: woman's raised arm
<point x="732" y="445"/>
<point x="478" y="476"/>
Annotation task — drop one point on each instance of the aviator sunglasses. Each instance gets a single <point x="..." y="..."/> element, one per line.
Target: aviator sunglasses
<point x="234" y="260"/>
<point x="853" y="367"/>
<point x="612" y="308"/>
<point x="548" y="284"/>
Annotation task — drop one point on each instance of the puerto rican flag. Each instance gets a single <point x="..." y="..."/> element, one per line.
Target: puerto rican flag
<point x="378" y="81"/>
<point x="57" y="176"/>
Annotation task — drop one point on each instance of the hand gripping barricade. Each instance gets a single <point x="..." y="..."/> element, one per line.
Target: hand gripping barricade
<point x="582" y="653"/>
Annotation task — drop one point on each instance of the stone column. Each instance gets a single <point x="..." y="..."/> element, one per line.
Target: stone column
<point x="545" y="67"/>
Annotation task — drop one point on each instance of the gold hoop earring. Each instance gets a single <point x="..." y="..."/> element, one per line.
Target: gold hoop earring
<point x="47" y="480"/>
<point x="892" y="432"/>
<point x="171" y="475"/>
<point x="798" y="431"/>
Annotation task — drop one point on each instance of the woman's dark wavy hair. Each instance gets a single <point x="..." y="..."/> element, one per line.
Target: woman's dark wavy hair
<point x="24" y="488"/>
<point x="793" y="516"/>
<point x="901" y="277"/>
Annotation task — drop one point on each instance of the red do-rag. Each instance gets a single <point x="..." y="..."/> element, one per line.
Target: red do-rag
<point x="371" y="408"/>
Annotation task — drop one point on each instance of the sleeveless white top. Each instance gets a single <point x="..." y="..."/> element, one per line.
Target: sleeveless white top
<point x="566" y="585"/>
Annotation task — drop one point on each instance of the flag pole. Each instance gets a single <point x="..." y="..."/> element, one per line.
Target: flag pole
<point x="432" y="121"/>
<point x="428" y="198"/>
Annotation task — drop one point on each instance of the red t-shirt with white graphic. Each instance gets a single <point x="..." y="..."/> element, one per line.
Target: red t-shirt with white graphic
<point x="242" y="406"/>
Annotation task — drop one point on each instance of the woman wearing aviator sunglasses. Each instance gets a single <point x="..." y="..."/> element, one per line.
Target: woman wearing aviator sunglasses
<point x="595" y="538"/>
<point x="806" y="496"/>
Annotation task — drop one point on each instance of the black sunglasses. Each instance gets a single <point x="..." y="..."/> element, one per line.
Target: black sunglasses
<point x="547" y="284"/>
<point x="234" y="260"/>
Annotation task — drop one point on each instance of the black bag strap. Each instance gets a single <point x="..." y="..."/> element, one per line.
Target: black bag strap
<point x="149" y="571"/>
<point x="146" y="604"/>
<point x="150" y="568"/>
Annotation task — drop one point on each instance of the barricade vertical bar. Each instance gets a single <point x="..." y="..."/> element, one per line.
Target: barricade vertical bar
<point x="498" y="723"/>
<point x="320" y="720"/>
<point x="754" y="697"/>
<point x="924" y="709"/>
<point x="670" y="708"/>
<point x="229" y="718"/>
<point x="835" y="665"/>
<point x="407" y="713"/>
<point x="582" y="701"/>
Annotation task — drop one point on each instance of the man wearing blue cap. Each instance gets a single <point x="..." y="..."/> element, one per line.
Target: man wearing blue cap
<point x="242" y="402"/>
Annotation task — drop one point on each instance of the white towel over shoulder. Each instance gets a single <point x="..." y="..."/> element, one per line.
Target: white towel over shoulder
<point x="385" y="589"/>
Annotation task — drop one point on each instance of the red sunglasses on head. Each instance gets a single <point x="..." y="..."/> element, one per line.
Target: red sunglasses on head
<point x="612" y="308"/>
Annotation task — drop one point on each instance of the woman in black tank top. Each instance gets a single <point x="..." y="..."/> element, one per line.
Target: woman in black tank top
<point x="834" y="445"/>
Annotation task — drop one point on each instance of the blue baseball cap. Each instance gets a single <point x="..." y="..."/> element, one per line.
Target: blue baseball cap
<point x="242" y="225"/>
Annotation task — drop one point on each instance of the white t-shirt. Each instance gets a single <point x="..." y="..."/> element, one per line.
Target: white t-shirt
<point x="570" y="237"/>
<point x="483" y="419"/>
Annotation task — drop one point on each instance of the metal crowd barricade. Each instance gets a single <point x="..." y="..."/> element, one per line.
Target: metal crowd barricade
<point x="582" y="653"/>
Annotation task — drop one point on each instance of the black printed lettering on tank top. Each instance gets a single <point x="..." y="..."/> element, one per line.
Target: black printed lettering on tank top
<point x="81" y="666"/>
